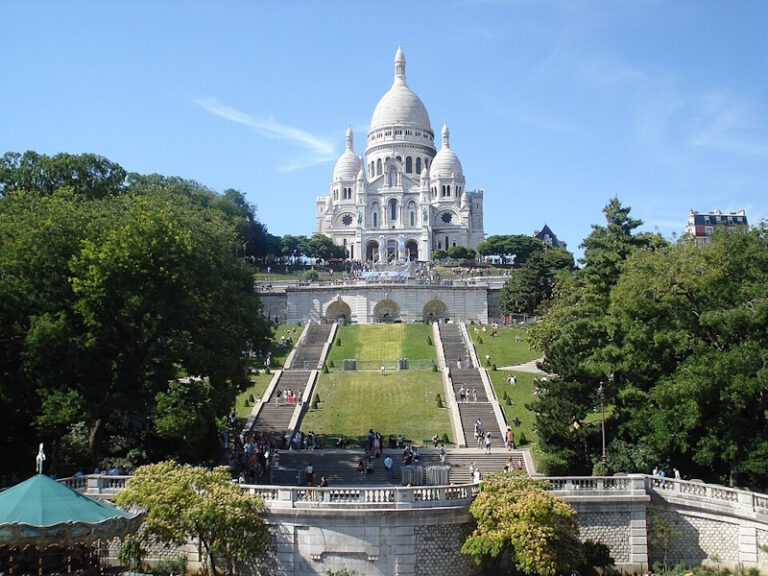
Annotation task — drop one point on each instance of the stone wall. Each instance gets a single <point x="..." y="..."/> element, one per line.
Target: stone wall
<point x="439" y="551"/>
<point x="610" y="528"/>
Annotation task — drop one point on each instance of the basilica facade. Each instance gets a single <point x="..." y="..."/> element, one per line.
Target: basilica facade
<point x="403" y="198"/>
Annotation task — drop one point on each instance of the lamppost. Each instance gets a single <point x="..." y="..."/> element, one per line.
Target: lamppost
<point x="601" y="396"/>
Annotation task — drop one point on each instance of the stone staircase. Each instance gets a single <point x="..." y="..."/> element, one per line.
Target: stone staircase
<point x="310" y="350"/>
<point x="454" y="346"/>
<point x="340" y="466"/>
<point x="275" y="415"/>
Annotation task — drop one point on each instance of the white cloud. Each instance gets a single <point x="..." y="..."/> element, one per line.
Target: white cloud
<point x="319" y="150"/>
<point x="727" y="122"/>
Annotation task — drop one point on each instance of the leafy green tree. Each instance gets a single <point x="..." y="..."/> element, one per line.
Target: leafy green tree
<point x="461" y="253"/>
<point x="439" y="254"/>
<point x="294" y="246"/>
<point x="519" y="245"/>
<point x="521" y="526"/>
<point x="578" y="342"/>
<point x="322" y="247"/>
<point x="183" y="503"/>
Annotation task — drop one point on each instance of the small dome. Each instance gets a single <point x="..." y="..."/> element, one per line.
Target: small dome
<point x="445" y="163"/>
<point x="400" y="105"/>
<point x="349" y="163"/>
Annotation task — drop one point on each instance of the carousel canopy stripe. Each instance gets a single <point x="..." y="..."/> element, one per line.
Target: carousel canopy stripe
<point x="41" y="501"/>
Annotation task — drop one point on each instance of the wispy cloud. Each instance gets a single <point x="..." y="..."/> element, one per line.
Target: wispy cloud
<point x="318" y="149"/>
<point x="731" y="123"/>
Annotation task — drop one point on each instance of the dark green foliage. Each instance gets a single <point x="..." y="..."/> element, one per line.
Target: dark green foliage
<point x="520" y="245"/>
<point x="444" y="439"/>
<point x="434" y="367"/>
<point x="493" y="367"/>
<point x="247" y="402"/>
<point x="325" y="369"/>
<point x="338" y="341"/>
<point x="175" y="566"/>
<point x="479" y="340"/>
<point x="438" y="401"/>
<point x="106" y="278"/>
<point x="251" y="398"/>
<point x="531" y="285"/>
<point x="522" y="440"/>
<point x="508" y="401"/>
<point x="506" y="396"/>
<point x="311" y="275"/>
<point x="429" y="341"/>
<point x="315" y="401"/>
<point x="439" y="254"/>
<point x="331" y="364"/>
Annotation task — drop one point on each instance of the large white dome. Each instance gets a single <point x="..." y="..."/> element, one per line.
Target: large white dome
<point x="400" y="105"/>
<point x="446" y="164"/>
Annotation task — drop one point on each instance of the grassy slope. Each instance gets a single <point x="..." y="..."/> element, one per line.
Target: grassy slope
<point x="503" y="348"/>
<point x="396" y="403"/>
<point x="376" y="342"/>
<point x="520" y="394"/>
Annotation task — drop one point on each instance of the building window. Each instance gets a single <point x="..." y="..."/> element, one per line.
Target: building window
<point x="418" y="165"/>
<point x="347" y="220"/>
<point x="408" y="164"/>
<point x="442" y="193"/>
<point x="378" y="167"/>
<point x="399" y="158"/>
<point x="413" y="219"/>
<point x="375" y="220"/>
<point x="447" y="217"/>
<point x="448" y="190"/>
<point x="393" y="210"/>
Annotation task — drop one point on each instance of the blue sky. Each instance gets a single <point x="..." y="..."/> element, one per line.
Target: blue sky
<point x="554" y="107"/>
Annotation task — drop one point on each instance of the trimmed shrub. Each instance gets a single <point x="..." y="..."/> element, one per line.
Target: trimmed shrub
<point x="522" y="441"/>
<point x="508" y="401"/>
<point x="493" y="367"/>
<point x="445" y="438"/>
<point x="331" y="364"/>
<point x="506" y="396"/>
<point x="315" y="401"/>
<point x="434" y="367"/>
<point x="338" y="341"/>
<point x="251" y="398"/>
<point x="325" y="369"/>
<point x="479" y="340"/>
<point x="246" y="403"/>
<point x="429" y="341"/>
<point x="267" y="371"/>
<point x="438" y="401"/>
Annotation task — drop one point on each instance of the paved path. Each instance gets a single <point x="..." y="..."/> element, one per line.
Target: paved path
<point x="526" y="367"/>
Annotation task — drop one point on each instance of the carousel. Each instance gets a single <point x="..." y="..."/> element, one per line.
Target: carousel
<point x="49" y="528"/>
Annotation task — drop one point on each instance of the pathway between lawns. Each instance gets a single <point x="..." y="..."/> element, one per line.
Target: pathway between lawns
<point x="529" y="367"/>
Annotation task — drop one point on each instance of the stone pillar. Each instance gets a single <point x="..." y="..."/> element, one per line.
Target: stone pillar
<point x="748" y="545"/>
<point x="638" y="539"/>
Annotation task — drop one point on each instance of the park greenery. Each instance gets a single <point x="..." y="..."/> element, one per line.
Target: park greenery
<point x="182" y="503"/>
<point x="675" y="335"/>
<point x="520" y="527"/>
<point x="511" y="249"/>
<point x="124" y="312"/>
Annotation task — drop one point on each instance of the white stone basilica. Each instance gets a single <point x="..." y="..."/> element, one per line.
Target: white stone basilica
<point x="412" y="200"/>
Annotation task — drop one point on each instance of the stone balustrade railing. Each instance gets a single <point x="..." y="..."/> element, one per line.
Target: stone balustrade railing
<point x="695" y="493"/>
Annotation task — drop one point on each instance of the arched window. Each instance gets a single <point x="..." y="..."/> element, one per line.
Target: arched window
<point x="418" y="165"/>
<point x="448" y="190"/>
<point x="408" y="164"/>
<point x="442" y="194"/>
<point x="399" y="158"/>
<point x="375" y="220"/>
<point x="393" y="210"/>
<point x="426" y="162"/>
<point x="413" y="219"/>
<point x="378" y="167"/>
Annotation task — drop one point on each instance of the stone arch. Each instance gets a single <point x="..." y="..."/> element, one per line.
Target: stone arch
<point x="434" y="310"/>
<point x="338" y="310"/>
<point x="386" y="310"/>
<point x="371" y="250"/>
<point x="412" y="249"/>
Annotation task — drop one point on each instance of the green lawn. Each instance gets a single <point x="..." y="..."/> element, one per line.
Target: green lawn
<point x="258" y="385"/>
<point x="382" y="342"/>
<point x="396" y="403"/>
<point x="520" y="394"/>
<point x="503" y="348"/>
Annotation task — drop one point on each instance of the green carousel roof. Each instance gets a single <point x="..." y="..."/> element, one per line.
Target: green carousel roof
<point x="43" y="511"/>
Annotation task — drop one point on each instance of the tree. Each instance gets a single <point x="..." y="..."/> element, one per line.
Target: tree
<point x="183" y="503"/>
<point x="519" y="245"/>
<point x="578" y="341"/>
<point x="522" y="525"/>
<point x="461" y="253"/>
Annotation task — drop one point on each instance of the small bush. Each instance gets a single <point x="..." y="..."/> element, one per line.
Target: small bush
<point x="251" y="398"/>
<point x="267" y="371"/>
<point x="338" y="341"/>
<point x="598" y="469"/>
<point x="487" y="361"/>
<point x="493" y="367"/>
<point x="508" y="401"/>
<point x="331" y="364"/>
<point x="522" y="441"/>
<point x="131" y="553"/>
<point x="479" y="340"/>
<point x="315" y="400"/>
<point x="506" y="396"/>
<point x="311" y="275"/>
<point x="438" y="401"/>
<point x="429" y="341"/>
<point x="434" y="367"/>
<point x="444" y="439"/>
<point x="325" y="369"/>
<point x="171" y="566"/>
<point x="246" y="403"/>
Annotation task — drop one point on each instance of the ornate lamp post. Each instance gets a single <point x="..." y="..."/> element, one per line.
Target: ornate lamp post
<point x="601" y="396"/>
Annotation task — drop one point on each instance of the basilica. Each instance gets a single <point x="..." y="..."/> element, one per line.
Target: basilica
<point x="403" y="198"/>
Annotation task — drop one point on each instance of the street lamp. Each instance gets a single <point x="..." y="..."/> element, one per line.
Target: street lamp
<point x="601" y="396"/>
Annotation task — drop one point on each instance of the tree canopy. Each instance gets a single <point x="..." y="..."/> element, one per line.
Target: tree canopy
<point x="109" y="293"/>
<point x="184" y="503"/>
<point x="520" y="526"/>
<point x="675" y="335"/>
<point x="531" y="285"/>
<point x="519" y="245"/>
